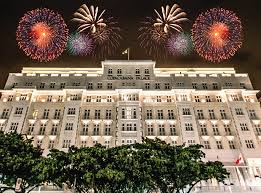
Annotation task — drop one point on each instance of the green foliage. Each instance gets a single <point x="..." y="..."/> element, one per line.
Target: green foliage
<point x="138" y="168"/>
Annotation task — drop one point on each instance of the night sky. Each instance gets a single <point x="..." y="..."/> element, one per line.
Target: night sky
<point x="129" y="13"/>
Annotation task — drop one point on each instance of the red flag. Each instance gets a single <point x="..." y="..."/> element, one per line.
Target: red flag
<point x="239" y="160"/>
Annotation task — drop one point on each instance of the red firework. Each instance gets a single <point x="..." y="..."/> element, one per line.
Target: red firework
<point x="217" y="34"/>
<point x="42" y="34"/>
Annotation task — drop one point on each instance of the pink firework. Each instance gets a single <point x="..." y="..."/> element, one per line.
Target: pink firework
<point x="217" y="34"/>
<point x="42" y="34"/>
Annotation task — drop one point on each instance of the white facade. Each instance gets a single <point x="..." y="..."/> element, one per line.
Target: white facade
<point x="126" y="100"/>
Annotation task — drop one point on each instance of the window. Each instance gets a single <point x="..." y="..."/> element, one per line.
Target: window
<point x="219" y="145"/>
<point x="223" y="114"/>
<point x="66" y="143"/>
<point x="49" y="98"/>
<point x="57" y="113"/>
<point x="18" y="111"/>
<point x="158" y="98"/>
<point x="180" y="84"/>
<point x="204" y="86"/>
<point x="208" y="99"/>
<point x="134" y="114"/>
<point x="109" y="85"/>
<point x="108" y="114"/>
<point x="147" y="71"/>
<point x="243" y="127"/>
<point x="172" y="129"/>
<point x="242" y="85"/>
<point x="90" y="85"/>
<point x="191" y="142"/>
<point x="107" y="130"/>
<point x="15" y="84"/>
<point x="183" y="97"/>
<point x="10" y="98"/>
<point x="228" y="84"/>
<point x="54" y="129"/>
<point x="169" y="99"/>
<point x="69" y="126"/>
<point x="231" y="145"/>
<point x="2" y="126"/>
<point x="88" y="99"/>
<point x="75" y="97"/>
<point x="85" y="128"/>
<point x="188" y="127"/>
<point x="160" y="114"/>
<point x="42" y="129"/>
<point x="150" y="130"/>
<point x="42" y="85"/>
<point x="62" y="85"/>
<point x="252" y="114"/>
<point x="119" y="71"/>
<point x="109" y="99"/>
<point x="13" y="127"/>
<point x="186" y="111"/>
<point x="149" y="114"/>
<point x="197" y="99"/>
<point x="30" y="129"/>
<point x="215" y="129"/>
<point x="76" y="84"/>
<point x="239" y="111"/>
<point x="123" y="127"/>
<point x="98" y="99"/>
<point x="39" y="142"/>
<point x="211" y="114"/>
<point x="46" y="113"/>
<point x="147" y="85"/>
<point x="227" y="130"/>
<point x="161" y="129"/>
<point x="167" y="86"/>
<point x="157" y="85"/>
<point x="200" y="114"/>
<point x="258" y="129"/>
<point x="23" y="97"/>
<point x="194" y="85"/>
<point x="99" y="85"/>
<point x="5" y="114"/>
<point x="235" y="97"/>
<point x="60" y="98"/>
<point x="219" y="99"/>
<point x="203" y="129"/>
<point x="123" y="114"/>
<point x="107" y="143"/>
<point x="96" y="129"/>
<point x="171" y="114"/>
<point x="249" y="144"/>
<point x="52" y="84"/>
<point x="83" y="143"/>
<point x="215" y="85"/>
<point x="137" y="71"/>
<point x="97" y="114"/>
<point x="206" y="145"/>
<point x="109" y="71"/>
<point x="28" y="84"/>
<point x="94" y="142"/>
<point x="71" y="111"/>
<point x="51" y="144"/>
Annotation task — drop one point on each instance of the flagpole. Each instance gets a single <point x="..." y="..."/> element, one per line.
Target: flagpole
<point x="128" y="53"/>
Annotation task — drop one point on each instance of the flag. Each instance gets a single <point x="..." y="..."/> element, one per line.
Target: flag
<point x="125" y="51"/>
<point x="239" y="160"/>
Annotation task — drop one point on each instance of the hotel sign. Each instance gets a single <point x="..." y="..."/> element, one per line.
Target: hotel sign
<point x="129" y="77"/>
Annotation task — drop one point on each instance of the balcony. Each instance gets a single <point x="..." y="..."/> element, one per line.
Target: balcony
<point x="129" y="133"/>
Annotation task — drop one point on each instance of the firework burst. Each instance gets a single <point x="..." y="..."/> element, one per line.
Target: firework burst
<point x="104" y="31"/>
<point x="217" y="34"/>
<point x="80" y="44"/>
<point x="180" y="44"/>
<point x="42" y="34"/>
<point x="170" y="18"/>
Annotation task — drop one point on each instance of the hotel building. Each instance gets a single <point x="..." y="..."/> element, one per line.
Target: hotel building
<point x="123" y="101"/>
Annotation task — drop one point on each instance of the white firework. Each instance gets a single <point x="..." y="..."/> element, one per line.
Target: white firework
<point x="170" y="18"/>
<point x="89" y="18"/>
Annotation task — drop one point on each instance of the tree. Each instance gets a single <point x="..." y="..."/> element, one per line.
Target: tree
<point x="19" y="162"/>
